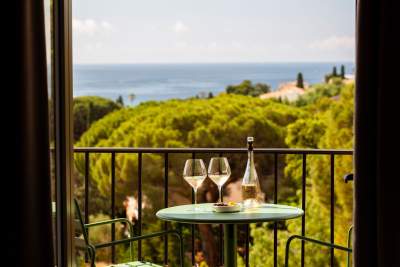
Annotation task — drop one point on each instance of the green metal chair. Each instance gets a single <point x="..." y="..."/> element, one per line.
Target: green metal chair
<point x="348" y="249"/>
<point x="82" y="241"/>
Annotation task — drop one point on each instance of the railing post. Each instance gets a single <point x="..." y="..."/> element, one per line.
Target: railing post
<point x="221" y="232"/>
<point x="139" y="221"/>
<point x="303" y="204"/>
<point x="275" y="202"/>
<point x="192" y="226"/>
<point x="86" y="187"/>
<point x="113" y="205"/>
<point x="332" y="213"/>
<point x="87" y="196"/>
<point x="247" y="258"/>
<point x="166" y="206"/>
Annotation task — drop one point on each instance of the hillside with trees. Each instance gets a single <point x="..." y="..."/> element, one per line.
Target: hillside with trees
<point x="88" y="109"/>
<point x="322" y="118"/>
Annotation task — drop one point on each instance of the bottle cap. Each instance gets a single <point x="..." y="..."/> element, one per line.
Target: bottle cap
<point x="250" y="139"/>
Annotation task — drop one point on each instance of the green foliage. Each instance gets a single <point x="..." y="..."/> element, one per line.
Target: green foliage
<point x="179" y="123"/>
<point x="120" y="101"/>
<point x="300" y="81"/>
<point x="335" y="75"/>
<point x="87" y="109"/>
<point x="305" y="133"/>
<point x="320" y="91"/>
<point x="248" y="88"/>
<point x="322" y="118"/>
<point x="329" y="125"/>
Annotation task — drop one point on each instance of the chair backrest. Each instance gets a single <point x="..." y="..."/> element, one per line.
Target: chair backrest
<point x="80" y="230"/>
<point x="81" y="238"/>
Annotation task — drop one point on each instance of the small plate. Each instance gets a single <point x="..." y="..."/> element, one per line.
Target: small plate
<point x="235" y="208"/>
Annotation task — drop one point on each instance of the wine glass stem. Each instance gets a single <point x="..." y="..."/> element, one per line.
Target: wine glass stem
<point x="195" y="198"/>
<point x="220" y="193"/>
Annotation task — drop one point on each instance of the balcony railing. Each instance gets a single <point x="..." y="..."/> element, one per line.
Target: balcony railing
<point x="275" y="152"/>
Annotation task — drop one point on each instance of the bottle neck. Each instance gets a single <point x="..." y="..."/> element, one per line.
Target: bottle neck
<point x="250" y="175"/>
<point x="250" y="155"/>
<point x="250" y="165"/>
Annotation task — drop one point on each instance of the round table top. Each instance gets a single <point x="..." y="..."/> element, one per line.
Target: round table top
<point x="204" y="214"/>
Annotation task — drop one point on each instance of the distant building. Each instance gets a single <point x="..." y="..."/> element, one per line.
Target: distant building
<point x="349" y="78"/>
<point x="286" y="91"/>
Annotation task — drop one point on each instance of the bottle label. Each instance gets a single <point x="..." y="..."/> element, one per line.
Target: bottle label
<point x="249" y="191"/>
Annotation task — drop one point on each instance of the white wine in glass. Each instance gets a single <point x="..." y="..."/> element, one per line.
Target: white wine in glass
<point x="194" y="173"/>
<point x="219" y="172"/>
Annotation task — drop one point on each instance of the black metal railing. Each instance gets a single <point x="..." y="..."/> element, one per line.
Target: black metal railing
<point x="276" y="152"/>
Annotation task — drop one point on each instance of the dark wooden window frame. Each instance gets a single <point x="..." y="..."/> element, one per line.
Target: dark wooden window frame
<point x="62" y="58"/>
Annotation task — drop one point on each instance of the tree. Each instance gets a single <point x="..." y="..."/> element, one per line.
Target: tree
<point x="247" y="88"/>
<point x="182" y="123"/>
<point x="300" y="82"/>
<point x="120" y="101"/>
<point x="210" y="95"/>
<point x="318" y="91"/>
<point x="261" y="88"/>
<point x="321" y="122"/>
<point x="88" y="109"/>
<point x="342" y="72"/>
<point x="334" y="72"/>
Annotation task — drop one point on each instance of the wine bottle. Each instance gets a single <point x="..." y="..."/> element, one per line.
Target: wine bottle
<point x="250" y="183"/>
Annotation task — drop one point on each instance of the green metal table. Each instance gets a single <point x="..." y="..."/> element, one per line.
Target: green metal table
<point x="205" y="215"/>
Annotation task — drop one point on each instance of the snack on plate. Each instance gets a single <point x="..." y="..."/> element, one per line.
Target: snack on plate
<point x="226" y="207"/>
<point x="223" y="204"/>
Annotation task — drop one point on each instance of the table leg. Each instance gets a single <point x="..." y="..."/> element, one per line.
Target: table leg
<point x="230" y="238"/>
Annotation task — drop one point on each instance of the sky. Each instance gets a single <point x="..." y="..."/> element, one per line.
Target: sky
<point x="191" y="31"/>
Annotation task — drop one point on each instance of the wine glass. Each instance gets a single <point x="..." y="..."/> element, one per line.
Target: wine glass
<point x="194" y="173"/>
<point x="219" y="172"/>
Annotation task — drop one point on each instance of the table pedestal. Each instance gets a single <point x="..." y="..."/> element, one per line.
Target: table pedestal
<point x="230" y="241"/>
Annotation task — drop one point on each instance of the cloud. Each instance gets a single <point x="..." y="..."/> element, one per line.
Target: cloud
<point x="236" y="44"/>
<point x="93" y="46"/>
<point x="106" y="25"/>
<point x="212" y="45"/>
<point x="334" y="43"/>
<point x="180" y="27"/>
<point x="90" y="26"/>
<point x="181" y="44"/>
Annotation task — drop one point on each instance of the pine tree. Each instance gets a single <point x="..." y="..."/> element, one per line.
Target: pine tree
<point x="342" y="72"/>
<point x="210" y="95"/>
<point x="120" y="100"/>
<point x="300" y="81"/>
<point x="334" y="72"/>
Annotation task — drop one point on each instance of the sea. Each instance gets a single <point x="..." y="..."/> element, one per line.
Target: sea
<point x="171" y="81"/>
